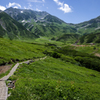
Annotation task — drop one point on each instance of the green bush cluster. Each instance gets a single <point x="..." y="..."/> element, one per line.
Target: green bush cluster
<point x="88" y="62"/>
<point x="84" y="59"/>
<point x="61" y="56"/>
<point x="68" y="54"/>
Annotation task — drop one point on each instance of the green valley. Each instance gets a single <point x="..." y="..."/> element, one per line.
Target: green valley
<point x="64" y="58"/>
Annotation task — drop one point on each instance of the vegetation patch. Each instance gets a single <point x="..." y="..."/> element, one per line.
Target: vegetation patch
<point x="55" y="79"/>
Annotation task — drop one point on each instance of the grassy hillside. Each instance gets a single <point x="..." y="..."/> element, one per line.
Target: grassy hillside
<point x="68" y="38"/>
<point x="53" y="79"/>
<point x="94" y="37"/>
<point x="53" y="29"/>
<point x="12" y="29"/>
<point x="87" y="27"/>
<point x="12" y="51"/>
<point x="66" y="73"/>
<point x="77" y="57"/>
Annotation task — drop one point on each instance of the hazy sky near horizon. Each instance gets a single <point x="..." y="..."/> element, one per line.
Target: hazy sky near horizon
<point x="71" y="11"/>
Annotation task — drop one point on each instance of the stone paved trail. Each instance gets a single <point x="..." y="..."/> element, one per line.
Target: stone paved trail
<point x="3" y="87"/>
<point x="3" y="90"/>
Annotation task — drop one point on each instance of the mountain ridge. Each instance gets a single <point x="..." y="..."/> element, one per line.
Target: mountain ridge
<point x="12" y="29"/>
<point x="41" y="23"/>
<point x="45" y="24"/>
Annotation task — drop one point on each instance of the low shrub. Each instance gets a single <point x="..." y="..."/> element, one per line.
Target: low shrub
<point x="68" y="59"/>
<point x="89" y="62"/>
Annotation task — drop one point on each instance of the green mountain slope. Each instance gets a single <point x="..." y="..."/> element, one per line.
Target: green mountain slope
<point x="12" y="51"/>
<point x="71" y="38"/>
<point x="91" y="38"/>
<point x="31" y="18"/>
<point x="44" y="24"/>
<point x="10" y="28"/>
<point x="65" y="78"/>
<point x="53" y="79"/>
<point x="88" y="26"/>
<point x="41" y="23"/>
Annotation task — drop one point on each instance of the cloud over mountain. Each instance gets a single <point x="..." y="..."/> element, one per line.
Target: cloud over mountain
<point x="15" y="5"/>
<point x="63" y="7"/>
<point x="2" y="8"/>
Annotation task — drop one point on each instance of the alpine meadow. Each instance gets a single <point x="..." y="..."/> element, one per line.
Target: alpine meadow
<point x="44" y="57"/>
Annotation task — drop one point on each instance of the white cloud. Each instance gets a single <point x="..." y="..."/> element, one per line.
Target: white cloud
<point x="43" y="0"/>
<point x="38" y="10"/>
<point x="64" y="7"/>
<point x="13" y="5"/>
<point x="59" y="3"/>
<point x="2" y="8"/>
<point x="38" y="1"/>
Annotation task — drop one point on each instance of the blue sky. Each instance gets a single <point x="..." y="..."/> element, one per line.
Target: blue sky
<point x="71" y="11"/>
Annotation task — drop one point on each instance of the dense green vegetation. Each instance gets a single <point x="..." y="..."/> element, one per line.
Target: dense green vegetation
<point x="90" y="49"/>
<point x="81" y="58"/>
<point x="68" y="38"/>
<point x="49" y="29"/>
<point x="91" y="38"/>
<point x="54" y="79"/>
<point x="62" y="77"/>
<point x="12" y="51"/>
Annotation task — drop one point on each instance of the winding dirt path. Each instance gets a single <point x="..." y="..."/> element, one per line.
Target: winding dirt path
<point x="3" y="87"/>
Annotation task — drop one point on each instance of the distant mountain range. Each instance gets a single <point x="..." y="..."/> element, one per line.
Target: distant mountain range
<point x="88" y="27"/>
<point x="22" y="23"/>
<point x="12" y="29"/>
<point x="41" y="23"/>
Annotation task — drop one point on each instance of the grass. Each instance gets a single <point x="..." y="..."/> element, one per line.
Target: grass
<point x="12" y="51"/>
<point x="58" y="78"/>
<point x="89" y="49"/>
<point x="45" y="40"/>
<point x="54" y="79"/>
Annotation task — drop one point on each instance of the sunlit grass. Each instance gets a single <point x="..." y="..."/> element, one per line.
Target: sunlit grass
<point x="55" y="79"/>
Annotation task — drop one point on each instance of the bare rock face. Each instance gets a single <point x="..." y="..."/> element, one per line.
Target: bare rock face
<point x="23" y="14"/>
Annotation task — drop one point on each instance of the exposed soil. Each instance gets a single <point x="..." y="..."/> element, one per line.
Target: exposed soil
<point x="4" y="68"/>
<point x="97" y="54"/>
